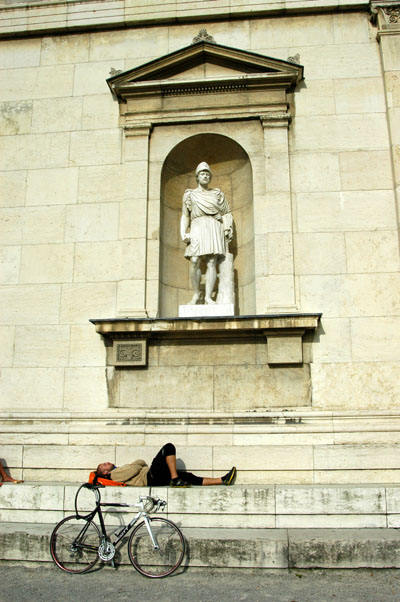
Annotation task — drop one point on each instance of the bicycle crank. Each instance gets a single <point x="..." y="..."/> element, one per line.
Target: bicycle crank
<point x="106" y="551"/>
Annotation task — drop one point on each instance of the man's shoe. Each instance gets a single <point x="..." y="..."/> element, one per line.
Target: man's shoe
<point x="179" y="483"/>
<point x="230" y="477"/>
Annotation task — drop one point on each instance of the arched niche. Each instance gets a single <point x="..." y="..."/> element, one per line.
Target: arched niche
<point x="232" y="173"/>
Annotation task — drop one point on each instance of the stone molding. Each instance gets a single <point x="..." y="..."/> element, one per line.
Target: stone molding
<point x="69" y="16"/>
<point x="141" y="91"/>
<point x="293" y="420"/>
<point x="284" y="333"/>
<point x="198" y="327"/>
<point x="139" y="129"/>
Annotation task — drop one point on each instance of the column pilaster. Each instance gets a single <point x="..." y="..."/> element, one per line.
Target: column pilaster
<point x="131" y="297"/>
<point x="278" y="226"/>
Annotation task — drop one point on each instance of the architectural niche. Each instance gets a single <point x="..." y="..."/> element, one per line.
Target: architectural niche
<point x="197" y="97"/>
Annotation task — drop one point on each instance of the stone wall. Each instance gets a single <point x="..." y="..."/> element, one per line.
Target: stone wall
<point x="80" y="239"/>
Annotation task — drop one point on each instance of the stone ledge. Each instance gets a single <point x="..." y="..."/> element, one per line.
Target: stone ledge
<point x="283" y="333"/>
<point x="189" y="327"/>
<point x="250" y="507"/>
<point x="240" y="548"/>
<point x="33" y="18"/>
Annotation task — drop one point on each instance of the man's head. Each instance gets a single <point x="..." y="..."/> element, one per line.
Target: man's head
<point x="104" y="469"/>
<point x="203" y="166"/>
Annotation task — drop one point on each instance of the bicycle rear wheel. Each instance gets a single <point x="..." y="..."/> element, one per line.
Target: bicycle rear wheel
<point x="163" y="561"/>
<point x="74" y="544"/>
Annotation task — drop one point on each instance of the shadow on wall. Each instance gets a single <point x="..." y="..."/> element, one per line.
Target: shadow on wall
<point x="232" y="173"/>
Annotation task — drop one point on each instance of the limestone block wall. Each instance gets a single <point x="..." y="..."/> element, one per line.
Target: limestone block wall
<point x="74" y="235"/>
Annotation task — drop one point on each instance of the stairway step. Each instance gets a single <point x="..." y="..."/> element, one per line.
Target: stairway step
<point x="240" y="548"/>
<point x="241" y="506"/>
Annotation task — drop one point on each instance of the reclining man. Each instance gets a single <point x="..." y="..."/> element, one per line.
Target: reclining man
<point x="161" y="472"/>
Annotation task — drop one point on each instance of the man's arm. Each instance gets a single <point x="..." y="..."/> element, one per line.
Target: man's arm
<point x="128" y="471"/>
<point x="185" y="219"/>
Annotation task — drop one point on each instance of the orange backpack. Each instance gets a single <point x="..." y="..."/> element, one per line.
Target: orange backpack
<point x="107" y="482"/>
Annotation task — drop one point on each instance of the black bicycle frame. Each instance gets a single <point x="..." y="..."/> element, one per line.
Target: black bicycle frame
<point x="120" y="534"/>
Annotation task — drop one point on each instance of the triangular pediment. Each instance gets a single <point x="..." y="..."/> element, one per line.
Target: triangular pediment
<point x="205" y="62"/>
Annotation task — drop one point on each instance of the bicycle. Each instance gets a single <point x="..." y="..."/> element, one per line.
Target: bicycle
<point x="156" y="546"/>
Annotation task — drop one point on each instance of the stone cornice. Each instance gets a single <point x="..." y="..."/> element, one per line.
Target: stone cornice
<point x="61" y="16"/>
<point x="190" y="328"/>
<point x="249" y="71"/>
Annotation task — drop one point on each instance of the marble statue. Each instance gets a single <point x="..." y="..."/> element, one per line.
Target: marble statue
<point x="208" y="215"/>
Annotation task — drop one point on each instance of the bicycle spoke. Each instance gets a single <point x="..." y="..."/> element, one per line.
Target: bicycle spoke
<point x="156" y="562"/>
<point x="74" y="544"/>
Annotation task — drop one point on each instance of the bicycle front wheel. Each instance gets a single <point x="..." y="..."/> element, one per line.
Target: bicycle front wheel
<point x="74" y="544"/>
<point x="166" y="558"/>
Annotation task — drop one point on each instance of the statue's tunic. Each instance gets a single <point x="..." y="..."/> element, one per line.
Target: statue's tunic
<point x="206" y="209"/>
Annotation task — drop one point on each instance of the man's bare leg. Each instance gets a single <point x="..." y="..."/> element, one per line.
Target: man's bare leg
<point x="5" y="478"/>
<point x="211" y="276"/>
<point x="212" y="481"/>
<point x="171" y="463"/>
<point x="195" y="276"/>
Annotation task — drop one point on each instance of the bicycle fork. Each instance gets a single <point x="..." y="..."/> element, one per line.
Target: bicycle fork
<point x="151" y="534"/>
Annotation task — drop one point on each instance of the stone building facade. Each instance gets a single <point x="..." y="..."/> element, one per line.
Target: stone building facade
<point x="105" y="110"/>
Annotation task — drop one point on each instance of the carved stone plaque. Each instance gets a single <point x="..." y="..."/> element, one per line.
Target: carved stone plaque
<point x="130" y="353"/>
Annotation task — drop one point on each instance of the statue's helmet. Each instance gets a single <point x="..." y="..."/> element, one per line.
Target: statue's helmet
<point x="203" y="166"/>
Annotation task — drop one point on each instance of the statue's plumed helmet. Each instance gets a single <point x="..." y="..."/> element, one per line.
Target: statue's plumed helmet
<point x="203" y="166"/>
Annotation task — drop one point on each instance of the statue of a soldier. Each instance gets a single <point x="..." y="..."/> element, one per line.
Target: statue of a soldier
<point x="209" y="216"/>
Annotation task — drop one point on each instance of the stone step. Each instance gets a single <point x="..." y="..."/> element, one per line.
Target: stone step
<point x="299" y="446"/>
<point x="240" y="506"/>
<point x="239" y="548"/>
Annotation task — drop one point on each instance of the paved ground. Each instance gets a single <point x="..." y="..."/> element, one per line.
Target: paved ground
<point x="21" y="584"/>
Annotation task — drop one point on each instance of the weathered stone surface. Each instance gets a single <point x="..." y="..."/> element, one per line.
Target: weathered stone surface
<point x="85" y="387"/>
<point x="47" y="263"/>
<point x="356" y="172"/>
<point x="34" y="151"/>
<point x="20" y="53"/>
<point x="92" y="222"/>
<point x="33" y="82"/>
<point x="358" y="385"/>
<point x="313" y="253"/>
<point x="15" y="117"/>
<point x="85" y="347"/>
<point x="90" y="78"/>
<point x="29" y="304"/>
<point x="79" y="300"/>
<point x="7" y="334"/>
<point x="326" y="500"/>
<point x="10" y="259"/>
<point x="350" y="295"/>
<point x="95" y="147"/>
<point x="40" y="346"/>
<point x="35" y="388"/>
<point x="344" y="548"/>
<point x="186" y="387"/>
<point x="12" y="188"/>
<point x="64" y="49"/>
<point x="56" y="186"/>
<point x="56" y="115"/>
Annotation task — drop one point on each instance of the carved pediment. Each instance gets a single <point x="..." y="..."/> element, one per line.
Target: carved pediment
<point x="205" y="66"/>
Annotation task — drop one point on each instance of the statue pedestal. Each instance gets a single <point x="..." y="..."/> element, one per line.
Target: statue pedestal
<point x="204" y="311"/>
